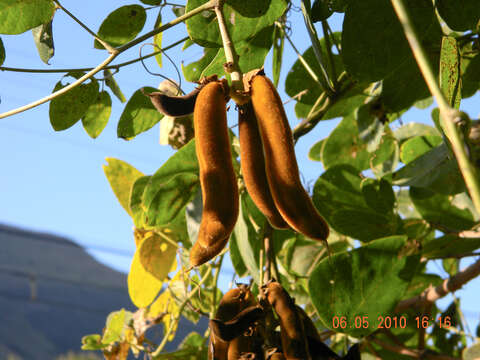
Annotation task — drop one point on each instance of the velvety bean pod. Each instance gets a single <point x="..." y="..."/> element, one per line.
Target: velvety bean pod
<point x="294" y="340"/>
<point x="252" y="163"/>
<point x="217" y="177"/>
<point x="291" y="199"/>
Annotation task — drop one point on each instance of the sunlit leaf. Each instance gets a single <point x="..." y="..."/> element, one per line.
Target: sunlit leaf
<point x="43" y="37"/>
<point x="368" y="281"/>
<point x="18" y="16"/>
<point x="97" y="115"/>
<point x="121" y="177"/>
<point x="157" y="255"/>
<point x="121" y="25"/>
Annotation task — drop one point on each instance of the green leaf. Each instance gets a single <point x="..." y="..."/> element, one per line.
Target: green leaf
<point x="378" y="194"/>
<point x="414" y="129"/>
<point x="247" y="242"/>
<point x="398" y="94"/>
<point x="157" y="255"/>
<point x="193" y="347"/>
<point x="344" y="146"/>
<point x="385" y="159"/>
<point x="316" y="150"/>
<point x="277" y="56"/>
<point x="338" y="196"/>
<point x="157" y="39"/>
<point x="70" y="107"/>
<point x="368" y="281"/>
<point x="152" y="2"/>
<point x="97" y="115"/>
<point x="121" y="177"/>
<point x="460" y="15"/>
<point x="18" y="16"/>
<point x="301" y="255"/>
<point x="450" y="266"/>
<point x="416" y="146"/>
<point x="93" y="342"/>
<point x="237" y="262"/>
<point x="420" y="282"/>
<point x="143" y="287"/>
<point x="352" y="98"/>
<point x="321" y="10"/>
<point x="438" y="209"/>
<point x="371" y="125"/>
<point x="244" y="19"/>
<point x="434" y="169"/>
<point x="449" y="245"/>
<point x="121" y="25"/>
<point x="116" y="324"/>
<point x="138" y="116"/>
<point x="172" y="186"/>
<point x="2" y="52"/>
<point x="372" y="33"/>
<point x="43" y="37"/>
<point x="450" y="71"/>
<point x="135" y="202"/>
<point x="112" y="84"/>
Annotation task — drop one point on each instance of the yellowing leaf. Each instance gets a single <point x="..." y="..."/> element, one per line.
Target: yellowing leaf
<point x="121" y="177"/>
<point x="157" y="255"/>
<point x="143" y="287"/>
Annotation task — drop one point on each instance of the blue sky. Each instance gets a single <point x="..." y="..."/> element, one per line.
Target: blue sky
<point x="53" y="181"/>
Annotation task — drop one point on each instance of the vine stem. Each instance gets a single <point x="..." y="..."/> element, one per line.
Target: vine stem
<point x="449" y="116"/>
<point x="231" y="56"/>
<point x="110" y="67"/>
<point x="207" y="6"/>
<point x="432" y="294"/>
<point x="180" y="310"/>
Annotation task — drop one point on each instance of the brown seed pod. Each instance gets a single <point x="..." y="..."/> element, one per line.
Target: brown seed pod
<point x="277" y="356"/>
<point x="231" y="304"/>
<point x="245" y="347"/>
<point x="174" y="106"/>
<point x="217" y="177"/>
<point x="294" y="340"/>
<point x="235" y="327"/>
<point x="291" y="199"/>
<point x="252" y="163"/>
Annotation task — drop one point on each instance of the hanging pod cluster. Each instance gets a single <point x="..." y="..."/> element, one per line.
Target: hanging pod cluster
<point x="240" y="329"/>
<point x="268" y="162"/>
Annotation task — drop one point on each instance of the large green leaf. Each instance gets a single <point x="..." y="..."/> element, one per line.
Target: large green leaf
<point x="438" y="209"/>
<point x="368" y="281"/>
<point x="385" y="159"/>
<point x="372" y="33"/>
<point x="339" y="198"/>
<point x="244" y="19"/>
<point x="121" y="177"/>
<point x="18" y="16"/>
<point x="193" y="71"/>
<point x="344" y="146"/>
<point x="172" y="186"/>
<point x="97" y="115"/>
<point x="70" y="107"/>
<point x="138" y="116"/>
<point x="449" y="245"/>
<point x="460" y="15"/>
<point x="193" y="347"/>
<point x="434" y="169"/>
<point x="121" y="25"/>
<point x="43" y="37"/>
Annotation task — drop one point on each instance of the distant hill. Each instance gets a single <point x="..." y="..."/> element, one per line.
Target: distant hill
<point x="52" y="292"/>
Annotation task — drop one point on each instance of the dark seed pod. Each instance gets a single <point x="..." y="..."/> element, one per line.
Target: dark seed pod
<point x="174" y="106"/>
<point x="235" y="327"/>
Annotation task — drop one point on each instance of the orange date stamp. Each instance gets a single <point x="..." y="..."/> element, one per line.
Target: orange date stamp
<point x="389" y="322"/>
